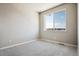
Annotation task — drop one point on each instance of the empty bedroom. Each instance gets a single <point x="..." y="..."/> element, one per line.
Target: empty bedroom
<point x="38" y="29"/>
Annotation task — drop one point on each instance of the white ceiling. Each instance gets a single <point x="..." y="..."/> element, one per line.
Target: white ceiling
<point x="39" y="7"/>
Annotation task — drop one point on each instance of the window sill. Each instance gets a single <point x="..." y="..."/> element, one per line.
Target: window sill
<point x="56" y="30"/>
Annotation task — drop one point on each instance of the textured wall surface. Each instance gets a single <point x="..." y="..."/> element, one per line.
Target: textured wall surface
<point x="68" y="36"/>
<point x="18" y="23"/>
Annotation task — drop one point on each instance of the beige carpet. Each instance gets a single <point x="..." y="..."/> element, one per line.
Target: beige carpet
<point x="39" y="48"/>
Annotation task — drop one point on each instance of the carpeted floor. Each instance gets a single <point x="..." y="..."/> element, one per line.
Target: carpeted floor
<point x="39" y="48"/>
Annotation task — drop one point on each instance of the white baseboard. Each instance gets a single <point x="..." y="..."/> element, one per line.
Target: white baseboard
<point x="6" y="47"/>
<point x="67" y="44"/>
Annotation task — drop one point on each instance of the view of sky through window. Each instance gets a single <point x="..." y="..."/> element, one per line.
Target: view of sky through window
<point x="59" y="19"/>
<point x="55" y="20"/>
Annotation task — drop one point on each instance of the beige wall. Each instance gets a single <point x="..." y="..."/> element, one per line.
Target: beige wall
<point x="78" y="28"/>
<point x="18" y="23"/>
<point x="68" y="36"/>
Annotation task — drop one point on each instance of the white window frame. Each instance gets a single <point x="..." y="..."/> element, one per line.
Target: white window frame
<point x="64" y="9"/>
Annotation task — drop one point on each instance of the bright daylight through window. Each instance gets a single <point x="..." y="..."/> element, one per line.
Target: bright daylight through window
<point x="55" y="20"/>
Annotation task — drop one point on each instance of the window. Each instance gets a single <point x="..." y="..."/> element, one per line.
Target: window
<point x="55" y="20"/>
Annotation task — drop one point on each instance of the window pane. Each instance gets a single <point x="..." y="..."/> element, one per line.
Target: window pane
<point x="59" y="19"/>
<point x="48" y="19"/>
